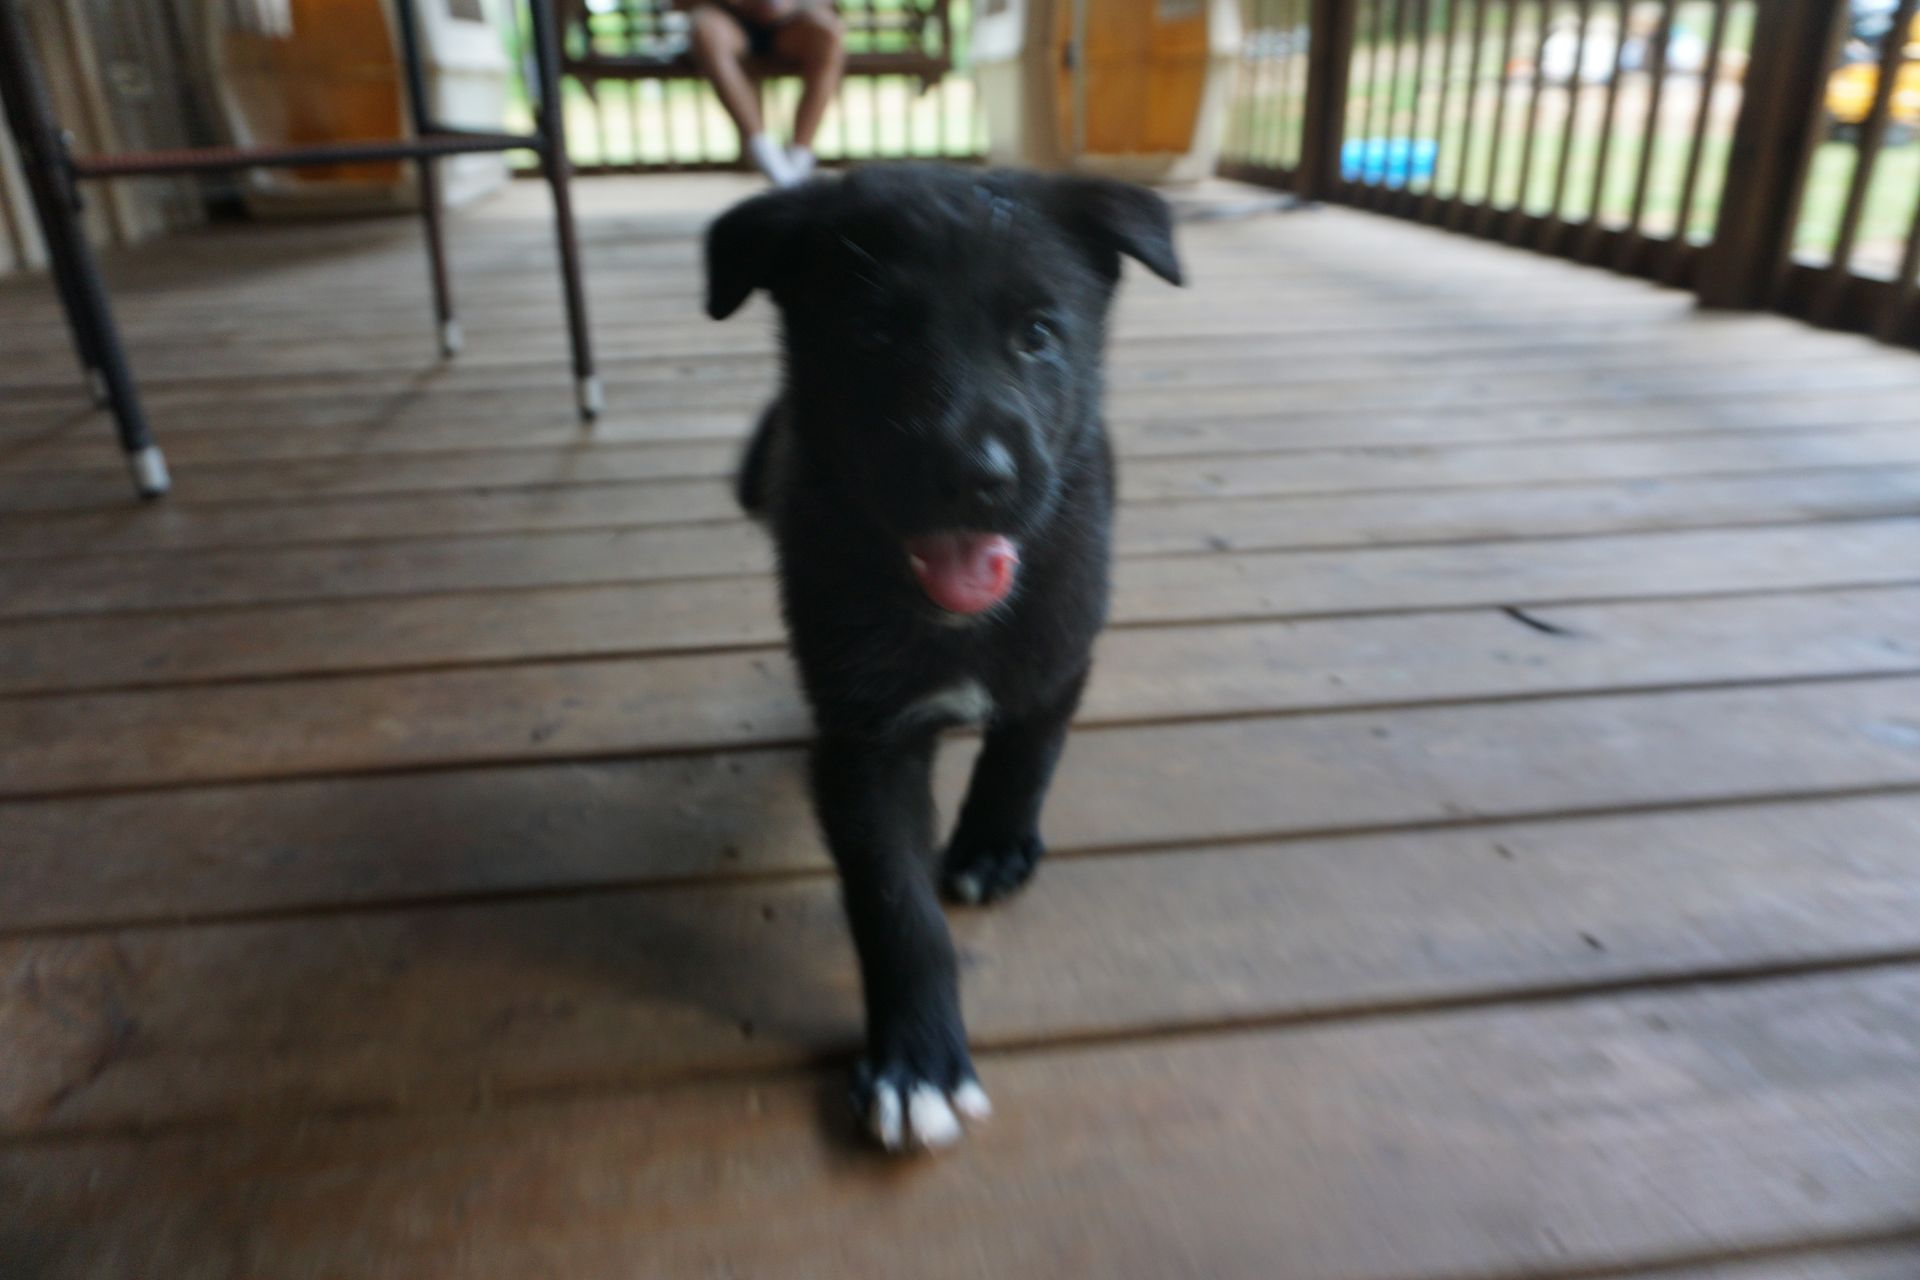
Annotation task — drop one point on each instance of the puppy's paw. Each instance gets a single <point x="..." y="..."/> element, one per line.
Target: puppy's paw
<point x="917" y="1102"/>
<point x="977" y="874"/>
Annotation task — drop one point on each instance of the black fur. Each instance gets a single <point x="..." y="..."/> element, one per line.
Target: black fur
<point x="925" y="311"/>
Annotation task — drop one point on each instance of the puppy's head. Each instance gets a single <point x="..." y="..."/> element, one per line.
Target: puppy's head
<point x="943" y="333"/>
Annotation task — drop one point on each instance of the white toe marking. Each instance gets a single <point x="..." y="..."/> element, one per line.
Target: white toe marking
<point x="967" y="888"/>
<point x="930" y="1121"/>
<point x="971" y="1101"/>
<point x="883" y="1117"/>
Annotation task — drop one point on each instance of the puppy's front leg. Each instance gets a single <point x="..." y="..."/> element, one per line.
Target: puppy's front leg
<point x="875" y="804"/>
<point x="996" y="844"/>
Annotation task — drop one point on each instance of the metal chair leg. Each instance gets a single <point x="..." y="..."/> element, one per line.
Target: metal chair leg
<point x="559" y="169"/>
<point x="86" y="344"/>
<point x="421" y="111"/>
<point x="76" y="274"/>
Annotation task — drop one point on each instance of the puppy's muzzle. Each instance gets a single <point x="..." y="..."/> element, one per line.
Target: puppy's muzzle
<point x="985" y="475"/>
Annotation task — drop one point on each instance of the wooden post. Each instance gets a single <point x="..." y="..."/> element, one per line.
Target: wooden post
<point x="1780" y="120"/>
<point x="1324" y="128"/>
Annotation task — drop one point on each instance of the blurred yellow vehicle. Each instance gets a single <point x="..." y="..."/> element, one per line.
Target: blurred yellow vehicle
<point x="1851" y="88"/>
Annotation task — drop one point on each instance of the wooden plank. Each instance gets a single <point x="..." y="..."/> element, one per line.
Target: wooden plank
<point x="651" y="348"/>
<point x="678" y="497"/>
<point x="538" y="828"/>
<point x="392" y="342"/>
<point x="583" y="535"/>
<point x="629" y="619"/>
<point x="326" y="425"/>
<point x="436" y="1007"/>
<point x="318" y="398"/>
<point x="706" y="701"/>
<point x="1310" y="471"/>
<point x="1398" y="517"/>
<point x="1571" y="1138"/>
<point x="1895" y="1261"/>
<point x="1252" y="428"/>
<point x="350" y="396"/>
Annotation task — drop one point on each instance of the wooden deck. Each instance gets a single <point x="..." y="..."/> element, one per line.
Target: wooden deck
<point x="1492" y="849"/>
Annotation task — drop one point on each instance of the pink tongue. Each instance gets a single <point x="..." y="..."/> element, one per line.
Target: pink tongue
<point x="964" y="572"/>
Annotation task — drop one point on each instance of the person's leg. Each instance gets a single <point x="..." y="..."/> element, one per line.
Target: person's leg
<point x="719" y="47"/>
<point x="813" y="38"/>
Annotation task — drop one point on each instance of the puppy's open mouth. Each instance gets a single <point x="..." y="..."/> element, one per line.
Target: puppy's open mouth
<point x="964" y="572"/>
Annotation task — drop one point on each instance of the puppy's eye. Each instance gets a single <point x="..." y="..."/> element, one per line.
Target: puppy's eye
<point x="1034" y="335"/>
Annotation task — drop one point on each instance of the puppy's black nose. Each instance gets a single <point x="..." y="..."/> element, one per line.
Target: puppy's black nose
<point x="991" y="472"/>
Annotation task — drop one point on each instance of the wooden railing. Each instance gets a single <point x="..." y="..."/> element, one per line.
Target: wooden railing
<point x="1687" y="141"/>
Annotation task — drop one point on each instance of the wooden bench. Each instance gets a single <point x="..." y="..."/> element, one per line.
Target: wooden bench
<point x="648" y="40"/>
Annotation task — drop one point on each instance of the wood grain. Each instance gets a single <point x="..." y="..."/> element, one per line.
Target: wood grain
<point x="705" y="701"/>
<point x="1488" y="851"/>
<point x="145" y="539"/>
<point x="537" y="827"/>
<point x="82" y="652"/>
<point x="1533" y="1140"/>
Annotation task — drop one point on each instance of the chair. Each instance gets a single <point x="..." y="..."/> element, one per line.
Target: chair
<point x="54" y="174"/>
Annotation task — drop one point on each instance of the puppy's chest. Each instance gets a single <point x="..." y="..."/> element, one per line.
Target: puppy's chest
<point x="964" y="701"/>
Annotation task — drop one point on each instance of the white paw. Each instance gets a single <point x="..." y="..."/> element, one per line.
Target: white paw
<point x="918" y="1117"/>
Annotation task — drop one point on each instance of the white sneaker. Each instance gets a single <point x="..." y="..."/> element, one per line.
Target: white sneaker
<point x="800" y="163"/>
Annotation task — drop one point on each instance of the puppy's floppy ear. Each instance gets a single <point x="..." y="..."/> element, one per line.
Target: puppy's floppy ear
<point x="750" y="245"/>
<point x="1121" y="218"/>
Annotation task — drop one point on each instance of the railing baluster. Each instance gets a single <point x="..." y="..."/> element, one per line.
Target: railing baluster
<point x="703" y="130"/>
<point x="1896" y="320"/>
<point x="1379" y="92"/>
<point x="1873" y="133"/>
<point x="1650" y="136"/>
<point x="1273" y="135"/>
<point x="1551" y="229"/>
<point x="1679" y="253"/>
<point x="1383" y="194"/>
<point x="1331" y="53"/>
<point x="635" y="122"/>
<point x="940" y="108"/>
<point x="1596" y="203"/>
<point x="1421" y="18"/>
<point x="1528" y="142"/>
<point x="1293" y="95"/>
<point x="1458" y="200"/>
<point x="873" y="117"/>
<point x="1487" y="205"/>
<point x="902" y="111"/>
<point x="1240" y="98"/>
<point x="1430" y="203"/>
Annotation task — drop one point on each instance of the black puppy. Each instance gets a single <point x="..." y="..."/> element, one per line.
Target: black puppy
<point x="939" y="484"/>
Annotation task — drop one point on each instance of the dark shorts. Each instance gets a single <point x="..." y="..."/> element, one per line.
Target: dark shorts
<point x="759" y="36"/>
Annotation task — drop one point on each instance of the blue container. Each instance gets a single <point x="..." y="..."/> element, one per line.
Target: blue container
<point x="1391" y="162"/>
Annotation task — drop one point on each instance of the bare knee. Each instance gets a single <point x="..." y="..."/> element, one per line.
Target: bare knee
<point x="716" y="37"/>
<point x="815" y="38"/>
